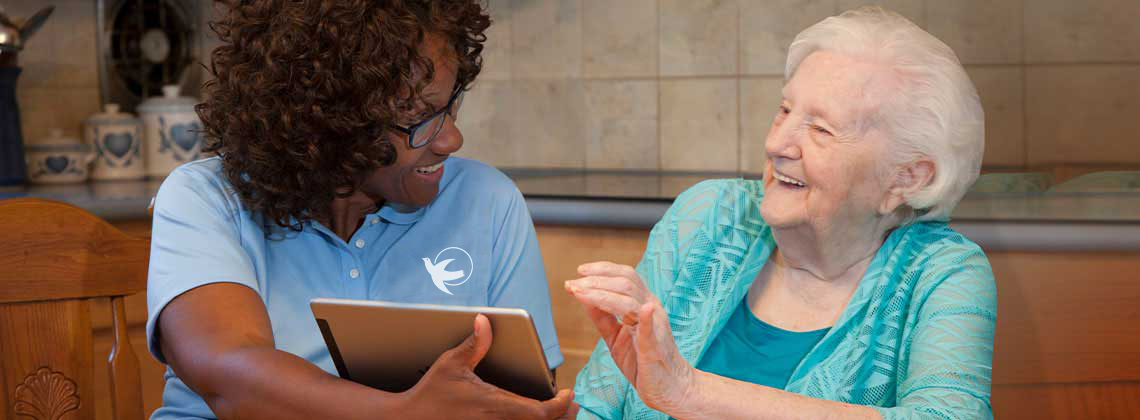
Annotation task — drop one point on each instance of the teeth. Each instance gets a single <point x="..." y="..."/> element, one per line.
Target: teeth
<point x="788" y="179"/>
<point x="429" y="169"/>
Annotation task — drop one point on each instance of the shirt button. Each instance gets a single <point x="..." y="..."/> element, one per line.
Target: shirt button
<point x="375" y="220"/>
<point x="354" y="273"/>
<point x="360" y="243"/>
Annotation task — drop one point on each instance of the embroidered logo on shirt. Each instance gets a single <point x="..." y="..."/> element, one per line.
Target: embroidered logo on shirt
<point x="441" y="277"/>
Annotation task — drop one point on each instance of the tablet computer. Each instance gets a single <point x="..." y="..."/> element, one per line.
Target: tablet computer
<point x="389" y="346"/>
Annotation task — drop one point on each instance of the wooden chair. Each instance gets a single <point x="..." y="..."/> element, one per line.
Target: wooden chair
<point x="54" y="260"/>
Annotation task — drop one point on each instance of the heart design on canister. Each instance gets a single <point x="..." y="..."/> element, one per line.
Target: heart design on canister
<point x="56" y="164"/>
<point x="119" y="144"/>
<point x="185" y="135"/>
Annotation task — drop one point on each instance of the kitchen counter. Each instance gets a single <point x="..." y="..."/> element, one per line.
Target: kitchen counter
<point x="1070" y="221"/>
<point x="111" y="200"/>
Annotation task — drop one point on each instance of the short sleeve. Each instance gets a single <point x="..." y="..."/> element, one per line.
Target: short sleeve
<point x="948" y="370"/>
<point x="518" y="277"/>
<point x="195" y="240"/>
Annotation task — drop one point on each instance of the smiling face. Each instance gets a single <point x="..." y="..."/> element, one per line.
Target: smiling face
<point x="823" y="156"/>
<point x="413" y="179"/>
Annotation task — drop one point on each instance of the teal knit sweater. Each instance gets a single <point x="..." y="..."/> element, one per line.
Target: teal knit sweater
<point x="915" y="341"/>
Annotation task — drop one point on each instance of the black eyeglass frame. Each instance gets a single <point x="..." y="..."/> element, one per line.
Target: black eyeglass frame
<point x="410" y="131"/>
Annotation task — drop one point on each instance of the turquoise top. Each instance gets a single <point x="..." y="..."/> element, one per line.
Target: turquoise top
<point x="915" y="341"/>
<point x="751" y="350"/>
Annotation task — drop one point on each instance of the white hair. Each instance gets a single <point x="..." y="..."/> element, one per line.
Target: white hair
<point x="936" y="112"/>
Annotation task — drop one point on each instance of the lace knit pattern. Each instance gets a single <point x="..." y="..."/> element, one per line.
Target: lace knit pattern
<point x="915" y="341"/>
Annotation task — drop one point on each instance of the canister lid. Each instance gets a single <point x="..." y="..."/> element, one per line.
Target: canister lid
<point x="56" y="141"/>
<point x="170" y="101"/>
<point x="112" y="115"/>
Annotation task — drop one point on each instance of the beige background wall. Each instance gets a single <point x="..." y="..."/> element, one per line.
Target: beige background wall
<point x="59" y="86"/>
<point x="692" y="84"/>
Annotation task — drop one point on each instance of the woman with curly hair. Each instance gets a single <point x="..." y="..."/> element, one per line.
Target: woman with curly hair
<point x="334" y="122"/>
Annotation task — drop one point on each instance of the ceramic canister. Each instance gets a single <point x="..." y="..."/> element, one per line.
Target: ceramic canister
<point x="58" y="159"/>
<point x="117" y="137"/>
<point x="172" y="131"/>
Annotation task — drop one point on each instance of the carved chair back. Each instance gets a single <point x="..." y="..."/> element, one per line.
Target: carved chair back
<point x="54" y="260"/>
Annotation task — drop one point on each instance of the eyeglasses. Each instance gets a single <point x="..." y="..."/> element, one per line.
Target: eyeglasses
<point x="423" y="132"/>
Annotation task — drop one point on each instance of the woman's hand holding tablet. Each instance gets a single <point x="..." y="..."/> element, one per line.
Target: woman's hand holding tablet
<point x="451" y="382"/>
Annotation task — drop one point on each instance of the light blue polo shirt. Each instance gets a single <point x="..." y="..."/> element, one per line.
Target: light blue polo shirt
<point x="203" y="234"/>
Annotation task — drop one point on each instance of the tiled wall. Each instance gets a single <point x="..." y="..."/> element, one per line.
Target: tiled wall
<point x="59" y="85"/>
<point x="693" y="84"/>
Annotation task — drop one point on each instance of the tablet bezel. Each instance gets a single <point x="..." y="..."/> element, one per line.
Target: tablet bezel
<point x="516" y="360"/>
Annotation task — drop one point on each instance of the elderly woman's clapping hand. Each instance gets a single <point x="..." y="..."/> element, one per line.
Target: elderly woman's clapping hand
<point x="636" y="329"/>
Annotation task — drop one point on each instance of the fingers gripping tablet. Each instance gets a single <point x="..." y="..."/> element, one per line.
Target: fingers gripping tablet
<point x="389" y="346"/>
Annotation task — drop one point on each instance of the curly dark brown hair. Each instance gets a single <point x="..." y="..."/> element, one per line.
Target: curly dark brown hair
<point x="304" y="91"/>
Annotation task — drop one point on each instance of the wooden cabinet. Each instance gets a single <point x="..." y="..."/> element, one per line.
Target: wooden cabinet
<point x="1068" y="333"/>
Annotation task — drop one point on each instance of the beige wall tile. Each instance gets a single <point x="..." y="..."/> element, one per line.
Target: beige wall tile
<point x="497" y="49"/>
<point x="915" y="10"/>
<point x="619" y="38"/>
<point x="979" y="31"/>
<point x="699" y="125"/>
<point x="1082" y="114"/>
<point x="1001" y="91"/>
<point x="72" y="31"/>
<point x="21" y="9"/>
<point x="46" y="74"/>
<point x="62" y="53"/>
<point x="42" y="109"/>
<point x="485" y="121"/>
<point x="759" y="99"/>
<point x="621" y="124"/>
<point x="546" y="39"/>
<point x="548" y="125"/>
<point x="768" y="27"/>
<point x="1090" y="30"/>
<point x="624" y="185"/>
<point x="210" y="11"/>
<point x="698" y="37"/>
<point x="1075" y="114"/>
<point x="563" y="184"/>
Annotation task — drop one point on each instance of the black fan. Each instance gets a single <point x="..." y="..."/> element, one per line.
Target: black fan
<point x="151" y="45"/>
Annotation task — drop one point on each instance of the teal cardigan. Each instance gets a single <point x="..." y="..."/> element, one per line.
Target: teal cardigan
<point x="915" y="341"/>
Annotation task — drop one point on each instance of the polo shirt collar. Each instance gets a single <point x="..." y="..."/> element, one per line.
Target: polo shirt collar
<point x="391" y="214"/>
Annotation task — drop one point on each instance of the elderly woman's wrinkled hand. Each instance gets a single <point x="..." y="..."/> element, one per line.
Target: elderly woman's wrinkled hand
<point x="641" y="343"/>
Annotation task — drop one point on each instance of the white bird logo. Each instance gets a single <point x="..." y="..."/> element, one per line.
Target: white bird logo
<point x="439" y="274"/>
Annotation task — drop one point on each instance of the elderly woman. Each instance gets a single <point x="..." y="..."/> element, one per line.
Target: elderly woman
<point x="334" y="121"/>
<point x="833" y="288"/>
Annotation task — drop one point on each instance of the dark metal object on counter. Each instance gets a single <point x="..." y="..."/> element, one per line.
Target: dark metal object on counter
<point x="9" y="35"/>
<point x="13" y="37"/>
<point x="12" y="167"/>
<point x="35" y="22"/>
